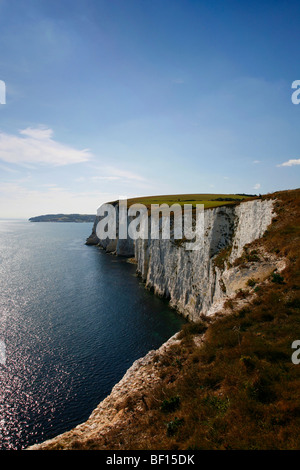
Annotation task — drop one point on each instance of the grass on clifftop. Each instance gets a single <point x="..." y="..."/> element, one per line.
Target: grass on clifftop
<point x="209" y="200"/>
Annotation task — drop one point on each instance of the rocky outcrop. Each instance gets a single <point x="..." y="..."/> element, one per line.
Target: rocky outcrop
<point x="121" y="247"/>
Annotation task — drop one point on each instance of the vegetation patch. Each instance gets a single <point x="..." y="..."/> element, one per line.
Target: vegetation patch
<point x="170" y="405"/>
<point x="222" y="257"/>
<point x="172" y="426"/>
<point x="277" y="278"/>
<point x="208" y="200"/>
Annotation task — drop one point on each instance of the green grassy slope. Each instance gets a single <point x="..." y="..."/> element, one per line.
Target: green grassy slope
<point x="209" y="200"/>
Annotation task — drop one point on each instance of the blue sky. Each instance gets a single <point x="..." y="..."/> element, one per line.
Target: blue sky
<point x="109" y="98"/>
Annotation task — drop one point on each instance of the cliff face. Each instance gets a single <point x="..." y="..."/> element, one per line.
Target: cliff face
<point x="194" y="281"/>
<point x="191" y="365"/>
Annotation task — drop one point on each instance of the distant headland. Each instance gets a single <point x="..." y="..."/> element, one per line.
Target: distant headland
<point x="63" y="218"/>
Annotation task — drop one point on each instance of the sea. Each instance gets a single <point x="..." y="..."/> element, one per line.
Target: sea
<point x="73" y="319"/>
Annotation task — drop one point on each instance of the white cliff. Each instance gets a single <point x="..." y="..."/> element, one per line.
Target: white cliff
<point x="191" y="280"/>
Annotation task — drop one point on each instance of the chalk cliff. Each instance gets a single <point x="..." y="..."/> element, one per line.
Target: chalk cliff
<point x="197" y="283"/>
<point x="193" y="281"/>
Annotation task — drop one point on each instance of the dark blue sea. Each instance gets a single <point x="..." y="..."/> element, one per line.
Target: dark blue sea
<point x="72" y="321"/>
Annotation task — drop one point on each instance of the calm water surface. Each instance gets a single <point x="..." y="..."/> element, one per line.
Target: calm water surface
<point x="72" y="319"/>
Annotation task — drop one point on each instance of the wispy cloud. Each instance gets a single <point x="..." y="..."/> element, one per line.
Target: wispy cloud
<point x="118" y="178"/>
<point x="114" y="173"/>
<point x="36" y="145"/>
<point x="257" y="186"/>
<point x="8" y="169"/>
<point x="106" y="178"/>
<point x="18" y="200"/>
<point x="291" y="162"/>
<point x="123" y="174"/>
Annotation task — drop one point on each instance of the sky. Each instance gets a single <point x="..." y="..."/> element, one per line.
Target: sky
<point x="122" y="98"/>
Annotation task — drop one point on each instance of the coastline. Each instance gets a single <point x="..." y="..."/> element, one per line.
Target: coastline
<point x="131" y="395"/>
